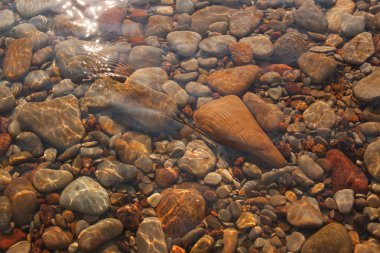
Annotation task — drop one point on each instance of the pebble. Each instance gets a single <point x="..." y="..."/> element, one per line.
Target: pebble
<point x="5" y="213"/>
<point x="311" y="169"/>
<point x="54" y="238"/>
<point x="294" y="241"/>
<point x="105" y="230"/>
<point x="20" y="247"/>
<point x="261" y="46"/>
<point x="366" y="89"/>
<point x="288" y="48"/>
<point x="30" y="142"/>
<point x="204" y="244"/>
<point x="345" y="200"/>
<point x="176" y="92"/>
<point x="48" y="180"/>
<point x="217" y="46"/>
<point x="305" y="213"/>
<point x="311" y="18"/>
<point x="359" y="49"/>
<point x="85" y="195"/>
<point x="197" y="89"/>
<point x="319" y="115"/>
<point x="351" y="25"/>
<point x="7" y="100"/>
<point x="212" y="178"/>
<point x="318" y="67"/>
<point x="144" y="56"/>
<point x="246" y="220"/>
<point x="154" y="199"/>
<point x="230" y="240"/>
<point x="184" y="43"/>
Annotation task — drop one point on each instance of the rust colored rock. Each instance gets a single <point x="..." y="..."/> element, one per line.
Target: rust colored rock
<point x="165" y="177"/>
<point x="345" y="174"/>
<point x="279" y="68"/>
<point x="230" y="123"/>
<point x="18" y="58"/>
<point x="5" y="142"/>
<point x="233" y="81"/>
<point x="110" y="21"/>
<point x="180" y="210"/>
<point x="130" y="215"/>
<point x="241" y="53"/>
<point x="7" y="240"/>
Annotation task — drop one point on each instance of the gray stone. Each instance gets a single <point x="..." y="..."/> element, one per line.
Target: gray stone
<point x="311" y="169"/>
<point x="99" y="233"/>
<point x="197" y="89"/>
<point x="352" y="25"/>
<point x="203" y="18"/>
<point x="243" y="22"/>
<point x="154" y="77"/>
<point x="176" y="92"/>
<point x="368" y="88"/>
<point x="63" y="88"/>
<point x="110" y="173"/>
<point x="198" y="159"/>
<point x="288" y="48"/>
<point x="145" y="56"/>
<point x="26" y="9"/>
<point x="311" y="18"/>
<point x="217" y="46"/>
<point x="261" y="46"/>
<point x="37" y="80"/>
<point x="86" y="196"/>
<point x="184" y="43"/>
<point x="7" y="20"/>
<point x="212" y="178"/>
<point x="159" y="26"/>
<point x="150" y="237"/>
<point x="48" y="180"/>
<point x="184" y="6"/>
<point x="344" y="200"/>
<point x="30" y="142"/>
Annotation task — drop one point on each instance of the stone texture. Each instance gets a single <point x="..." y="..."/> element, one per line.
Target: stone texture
<point x="345" y="174"/>
<point x="319" y="115"/>
<point x="217" y="46"/>
<point x="305" y="213"/>
<point x="368" y="88"/>
<point x="99" y="233"/>
<point x="48" y="180"/>
<point x="201" y="19"/>
<point x="154" y="77"/>
<point x="27" y="10"/>
<point x="334" y="14"/>
<point x="359" y="49"/>
<point x="317" y="66"/>
<point x="269" y="116"/>
<point x="85" y="195"/>
<point x="5" y="212"/>
<point x="261" y="46"/>
<point x="30" y="142"/>
<point x="372" y="159"/>
<point x="311" y="18"/>
<point x="241" y="53"/>
<point x="134" y="105"/>
<point x="229" y="122"/>
<point x="110" y="173"/>
<point x="7" y="100"/>
<point x="198" y="159"/>
<point x="132" y="145"/>
<point x="150" y="237"/>
<point x="311" y="169"/>
<point x="55" y="121"/>
<point x="204" y="244"/>
<point x="20" y="247"/>
<point x="344" y="200"/>
<point x="158" y="26"/>
<point x="288" y="48"/>
<point x="79" y="59"/>
<point x="184" y="43"/>
<point x="7" y="20"/>
<point x="180" y="210"/>
<point x="24" y="200"/>
<point x="18" y="59"/>
<point x="243" y="22"/>
<point x="331" y="238"/>
<point x="54" y="238"/>
<point x="233" y="81"/>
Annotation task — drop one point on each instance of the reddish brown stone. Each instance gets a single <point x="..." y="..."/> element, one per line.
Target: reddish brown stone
<point x="5" y="142"/>
<point x="7" y="240"/>
<point x="241" y="53"/>
<point x="130" y="216"/>
<point x="46" y="214"/>
<point x="292" y="89"/>
<point x="110" y="20"/>
<point x="345" y="174"/>
<point x="180" y="210"/>
<point x="18" y="59"/>
<point x="279" y="68"/>
<point x="166" y="177"/>
<point x="138" y="15"/>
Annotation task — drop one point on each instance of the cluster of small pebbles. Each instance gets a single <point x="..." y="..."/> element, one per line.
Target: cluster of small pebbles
<point x="156" y="126"/>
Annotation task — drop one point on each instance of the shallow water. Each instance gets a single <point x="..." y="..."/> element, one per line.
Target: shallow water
<point x="189" y="126"/>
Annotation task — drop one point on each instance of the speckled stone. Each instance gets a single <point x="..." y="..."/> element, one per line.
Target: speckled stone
<point x="319" y="115"/>
<point x="150" y="237"/>
<point x="305" y="213"/>
<point x="48" y="180"/>
<point x="359" y="49"/>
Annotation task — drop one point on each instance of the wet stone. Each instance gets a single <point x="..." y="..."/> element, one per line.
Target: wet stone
<point x="288" y="48"/>
<point x="110" y="173"/>
<point x="305" y="213"/>
<point x="241" y="53"/>
<point x="37" y="80"/>
<point x="246" y="220"/>
<point x="5" y="213"/>
<point x="352" y="25"/>
<point x="55" y="121"/>
<point x="311" y="18"/>
<point x="311" y="169"/>
<point x="319" y="115"/>
<point x="180" y="210"/>
<point x="344" y="200"/>
<point x="63" y="88"/>
<point x="159" y="26"/>
<point x="48" y="180"/>
<point x="150" y="237"/>
<point x="7" y="20"/>
<point x="217" y="46"/>
<point x="318" y="67"/>
<point x="261" y="46"/>
<point x="198" y="159"/>
<point x="24" y="200"/>
<point x="359" y="49"/>
<point x="294" y="241"/>
<point x="18" y="59"/>
<point x="25" y="9"/>
<point x="54" y="238"/>
<point x="184" y="43"/>
<point x="197" y="89"/>
<point x="367" y="89"/>
<point x="132" y="145"/>
<point x="99" y="233"/>
<point x="155" y="77"/>
<point x="176" y="92"/>
<point x="30" y="142"/>
<point x="371" y="159"/>
<point x="7" y="100"/>
<point x="85" y="195"/>
<point x="5" y="179"/>
<point x="204" y="244"/>
<point x="20" y="247"/>
<point x="20" y="157"/>
<point x="244" y="22"/>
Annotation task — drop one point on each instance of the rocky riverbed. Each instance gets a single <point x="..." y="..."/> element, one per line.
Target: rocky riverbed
<point x="155" y="126"/>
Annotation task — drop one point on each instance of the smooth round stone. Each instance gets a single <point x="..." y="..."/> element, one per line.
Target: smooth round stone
<point x="154" y="199"/>
<point x="99" y="233"/>
<point x="197" y="89"/>
<point x="294" y="241"/>
<point x="198" y="159"/>
<point x="311" y="18"/>
<point x="55" y="239"/>
<point x="367" y="90"/>
<point x="17" y="61"/>
<point x="319" y="115"/>
<point x="63" y="88"/>
<point x="311" y="169"/>
<point x="7" y="20"/>
<point x="374" y="229"/>
<point x="110" y="173"/>
<point x="251" y="170"/>
<point x="184" y="43"/>
<point x="246" y="220"/>
<point x="212" y="178"/>
<point x="359" y="49"/>
<point x="5" y="179"/>
<point x="275" y="93"/>
<point x="317" y="66"/>
<point x="85" y="195"/>
<point x="155" y="77"/>
<point x="352" y="25"/>
<point x="24" y="200"/>
<point x="158" y="25"/>
<point x="150" y="237"/>
<point x="204" y="244"/>
<point x="190" y="65"/>
<point x="30" y="142"/>
<point x="37" y="80"/>
<point x="288" y="48"/>
<point x="48" y="180"/>
<point x="305" y="213"/>
<point x="175" y="91"/>
<point x="41" y="56"/>
<point x="7" y="100"/>
<point x="371" y="159"/>
<point x="20" y="247"/>
<point x="145" y="56"/>
<point x="184" y="6"/>
<point x="261" y="46"/>
<point x="217" y="46"/>
<point x="277" y="200"/>
<point x="223" y="191"/>
<point x="5" y="213"/>
<point x="344" y="200"/>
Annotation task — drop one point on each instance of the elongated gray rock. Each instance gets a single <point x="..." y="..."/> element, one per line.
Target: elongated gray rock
<point x="150" y="237"/>
<point x="85" y="195"/>
<point x="55" y="121"/>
